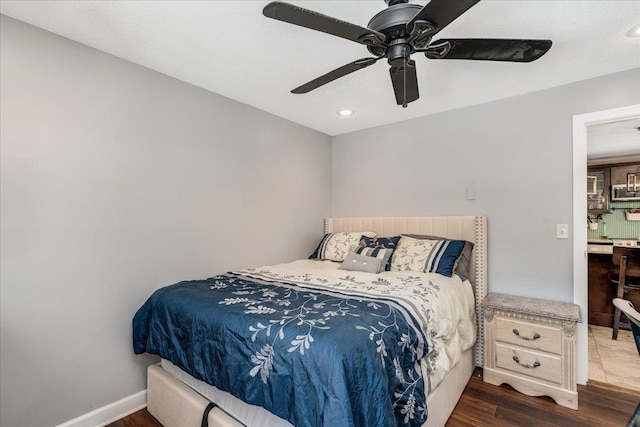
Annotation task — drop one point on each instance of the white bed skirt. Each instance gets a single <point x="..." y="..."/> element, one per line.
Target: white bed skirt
<point x="176" y="399"/>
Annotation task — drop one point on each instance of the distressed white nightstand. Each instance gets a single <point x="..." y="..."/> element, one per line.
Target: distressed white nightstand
<point x="530" y="344"/>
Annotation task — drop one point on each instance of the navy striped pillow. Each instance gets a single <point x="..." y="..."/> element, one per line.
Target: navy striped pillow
<point x="381" y="242"/>
<point x="444" y="256"/>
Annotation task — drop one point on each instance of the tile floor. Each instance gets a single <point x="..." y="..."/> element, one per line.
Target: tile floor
<point x="613" y="362"/>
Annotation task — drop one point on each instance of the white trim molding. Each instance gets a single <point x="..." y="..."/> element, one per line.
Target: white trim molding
<point x="111" y="412"/>
<point x="580" y="291"/>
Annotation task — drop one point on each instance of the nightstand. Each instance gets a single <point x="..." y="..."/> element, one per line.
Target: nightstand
<point x="530" y="344"/>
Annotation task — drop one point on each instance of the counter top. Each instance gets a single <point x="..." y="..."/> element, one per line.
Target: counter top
<point x="600" y="249"/>
<point x="533" y="306"/>
<point x="610" y="241"/>
<point x="600" y="241"/>
<point x="600" y="246"/>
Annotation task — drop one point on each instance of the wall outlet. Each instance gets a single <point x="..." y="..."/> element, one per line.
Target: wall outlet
<point x="562" y="231"/>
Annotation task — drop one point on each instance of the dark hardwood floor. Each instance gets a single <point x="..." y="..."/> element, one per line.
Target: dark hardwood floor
<point x="599" y="405"/>
<point x="483" y="404"/>
<point x="141" y="418"/>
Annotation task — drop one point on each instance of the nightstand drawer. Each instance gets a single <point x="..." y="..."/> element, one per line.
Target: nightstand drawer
<point x="531" y="335"/>
<point x="531" y="363"/>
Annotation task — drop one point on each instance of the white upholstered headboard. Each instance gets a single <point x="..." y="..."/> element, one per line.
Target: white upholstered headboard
<point x="470" y="228"/>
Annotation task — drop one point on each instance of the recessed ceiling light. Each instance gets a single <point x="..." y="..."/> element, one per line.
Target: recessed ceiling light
<point x="346" y="113"/>
<point x="634" y="31"/>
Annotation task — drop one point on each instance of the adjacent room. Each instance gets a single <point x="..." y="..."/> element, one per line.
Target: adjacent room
<point x="359" y="213"/>
<point x="613" y="158"/>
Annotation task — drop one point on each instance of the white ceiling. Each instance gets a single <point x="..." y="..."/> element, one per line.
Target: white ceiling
<point x="617" y="141"/>
<point x="230" y="48"/>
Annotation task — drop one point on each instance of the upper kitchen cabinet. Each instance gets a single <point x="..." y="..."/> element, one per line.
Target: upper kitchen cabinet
<point x="598" y="187"/>
<point x="626" y="175"/>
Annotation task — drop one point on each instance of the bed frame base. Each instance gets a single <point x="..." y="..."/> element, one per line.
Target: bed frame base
<point x="442" y="401"/>
<point x="174" y="404"/>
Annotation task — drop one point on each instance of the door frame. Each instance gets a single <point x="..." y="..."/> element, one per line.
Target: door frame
<point x="580" y="284"/>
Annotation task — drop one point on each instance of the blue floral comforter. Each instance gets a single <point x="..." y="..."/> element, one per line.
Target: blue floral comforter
<point x="315" y="349"/>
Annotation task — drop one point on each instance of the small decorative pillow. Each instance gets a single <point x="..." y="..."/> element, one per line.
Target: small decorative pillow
<point x="429" y="256"/>
<point x="380" y="253"/>
<point x="358" y="262"/>
<point x="336" y="246"/>
<point x="381" y="242"/>
<point x="463" y="263"/>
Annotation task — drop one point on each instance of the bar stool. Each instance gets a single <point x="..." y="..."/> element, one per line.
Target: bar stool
<point x="625" y="275"/>
<point x="634" y="318"/>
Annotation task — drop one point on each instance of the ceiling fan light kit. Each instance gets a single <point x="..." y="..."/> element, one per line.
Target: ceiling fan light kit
<point x="401" y="30"/>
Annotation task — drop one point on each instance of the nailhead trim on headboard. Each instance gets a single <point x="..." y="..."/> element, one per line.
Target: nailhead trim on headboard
<point x="481" y="284"/>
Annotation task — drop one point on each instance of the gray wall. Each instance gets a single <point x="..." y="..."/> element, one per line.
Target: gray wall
<point x="117" y="180"/>
<point x="516" y="153"/>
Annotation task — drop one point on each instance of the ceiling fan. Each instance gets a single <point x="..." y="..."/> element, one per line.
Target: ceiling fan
<point x="401" y="30"/>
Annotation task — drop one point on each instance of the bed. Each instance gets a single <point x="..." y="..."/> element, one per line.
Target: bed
<point x="341" y="345"/>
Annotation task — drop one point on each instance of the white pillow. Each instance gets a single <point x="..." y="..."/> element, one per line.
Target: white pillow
<point x="412" y="254"/>
<point x="336" y="246"/>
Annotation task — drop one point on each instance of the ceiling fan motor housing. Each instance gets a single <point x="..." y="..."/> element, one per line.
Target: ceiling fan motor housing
<point x="392" y="22"/>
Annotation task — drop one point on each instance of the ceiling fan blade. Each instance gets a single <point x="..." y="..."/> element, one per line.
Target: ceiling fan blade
<point x="316" y="21"/>
<point x="405" y="83"/>
<point x="441" y="12"/>
<point x="511" y="50"/>
<point x="335" y="74"/>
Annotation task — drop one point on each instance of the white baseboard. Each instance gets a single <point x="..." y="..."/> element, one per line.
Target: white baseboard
<point x="111" y="412"/>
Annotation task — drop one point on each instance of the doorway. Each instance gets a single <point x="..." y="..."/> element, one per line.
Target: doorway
<point x="580" y="291"/>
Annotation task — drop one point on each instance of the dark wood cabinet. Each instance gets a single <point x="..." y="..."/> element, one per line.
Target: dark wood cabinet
<point x="620" y="174"/>
<point x="598" y="190"/>
<point x="602" y="291"/>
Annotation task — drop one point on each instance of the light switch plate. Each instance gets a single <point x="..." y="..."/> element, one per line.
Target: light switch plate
<point x="562" y="231"/>
<point x="471" y="192"/>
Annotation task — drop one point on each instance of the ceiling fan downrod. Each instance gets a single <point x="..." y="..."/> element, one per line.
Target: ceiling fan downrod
<point x="398" y="52"/>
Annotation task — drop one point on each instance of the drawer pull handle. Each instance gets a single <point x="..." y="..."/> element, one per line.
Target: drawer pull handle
<point x="524" y="365"/>
<point x="535" y="336"/>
